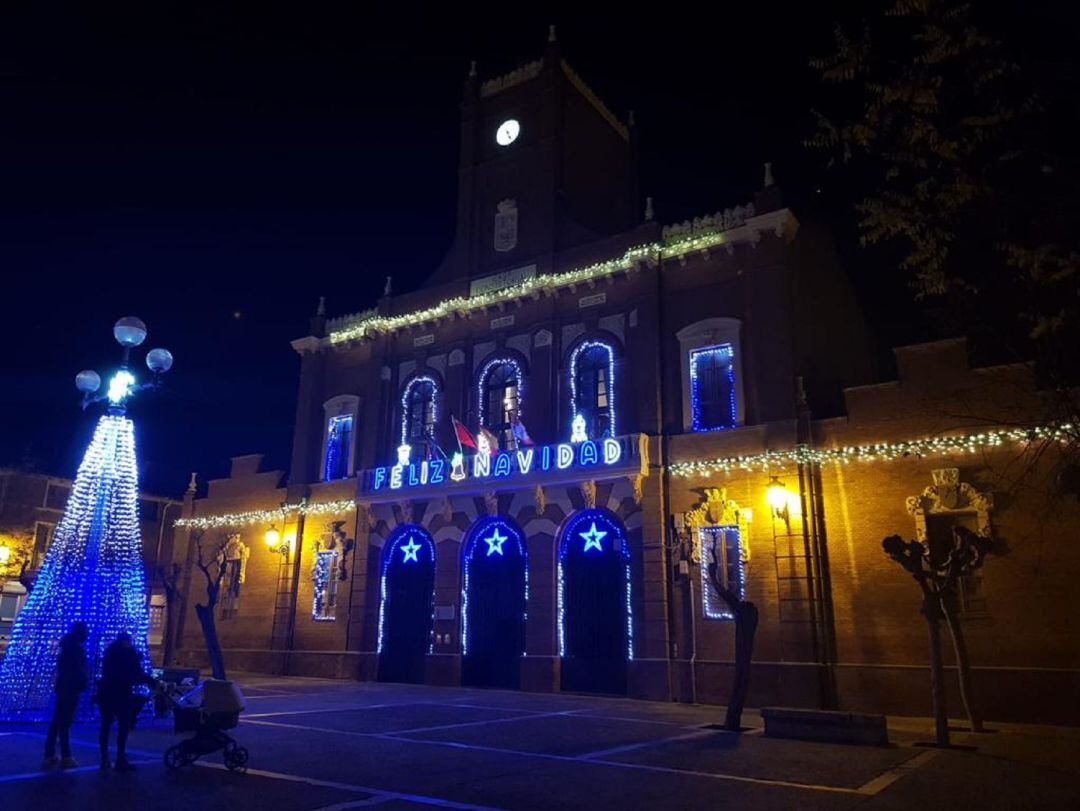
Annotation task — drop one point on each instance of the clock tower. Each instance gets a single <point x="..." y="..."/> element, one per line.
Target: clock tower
<point x="544" y="167"/>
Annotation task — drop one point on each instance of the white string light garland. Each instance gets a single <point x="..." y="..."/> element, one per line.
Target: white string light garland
<point x="881" y="451"/>
<point x="265" y="516"/>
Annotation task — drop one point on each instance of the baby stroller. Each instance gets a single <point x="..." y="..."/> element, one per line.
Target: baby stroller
<point x="208" y="710"/>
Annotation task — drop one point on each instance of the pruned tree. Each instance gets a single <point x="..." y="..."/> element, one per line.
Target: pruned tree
<point x="939" y="581"/>
<point x="170" y="581"/>
<point x="206" y="611"/>
<point x="745" y="616"/>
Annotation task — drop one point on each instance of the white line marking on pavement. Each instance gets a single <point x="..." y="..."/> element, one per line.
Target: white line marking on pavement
<point x="324" y="710"/>
<point x="14" y="778"/>
<point x="592" y="761"/>
<point x="886" y="779"/>
<point x="381" y="795"/>
<point x="478" y="723"/>
<point x="630" y="747"/>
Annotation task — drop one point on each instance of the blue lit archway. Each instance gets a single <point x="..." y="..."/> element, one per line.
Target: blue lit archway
<point x="494" y="596"/>
<point x="406" y="603"/>
<point x="596" y="632"/>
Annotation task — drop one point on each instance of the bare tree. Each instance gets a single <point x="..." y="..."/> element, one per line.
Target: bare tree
<point x="170" y="581"/>
<point x="205" y="612"/>
<point x="938" y="580"/>
<point x="745" y="615"/>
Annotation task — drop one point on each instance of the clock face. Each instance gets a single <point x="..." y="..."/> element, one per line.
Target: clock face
<point x="507" y="132"/>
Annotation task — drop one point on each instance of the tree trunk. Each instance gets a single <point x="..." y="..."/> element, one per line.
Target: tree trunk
<point x="963" y="665"/>
<point x="170" y="632"/>
<point x="931" y="611"/>
<point x="213" y="647"/>
<point x="746" y="622"/>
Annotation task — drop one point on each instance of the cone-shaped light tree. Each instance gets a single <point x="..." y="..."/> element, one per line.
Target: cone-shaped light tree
<point x="93" y="572"/>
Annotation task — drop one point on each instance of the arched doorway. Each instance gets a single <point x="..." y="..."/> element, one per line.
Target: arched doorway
<point x="494" y="594"/>
<point x="406" y="600"/>
<point x="595" y="620"/>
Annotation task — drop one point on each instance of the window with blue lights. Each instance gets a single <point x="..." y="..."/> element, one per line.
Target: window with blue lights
<point x="500" y="391"/>
<point x="592" y="381"/>
<point x="418" y="411"/>
<point x="712" y="388"/>
<point x="724" y="543"/>
<point x="325" y="582"/>
<point x="338" y="446"/>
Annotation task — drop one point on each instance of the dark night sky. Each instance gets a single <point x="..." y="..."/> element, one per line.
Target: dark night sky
<point x="214" y="172"/>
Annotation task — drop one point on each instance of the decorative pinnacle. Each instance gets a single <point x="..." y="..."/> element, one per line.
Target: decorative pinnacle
<point x="191" y="483"/>
<point x="768" y="174"/>
<point x="321" y="309"/>
<point x="648" y="209"/>
<point x="551" y="33"/>
<point x="472" y="69"/>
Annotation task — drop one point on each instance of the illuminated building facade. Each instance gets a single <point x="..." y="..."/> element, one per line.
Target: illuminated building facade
<point x="507" y="477"/>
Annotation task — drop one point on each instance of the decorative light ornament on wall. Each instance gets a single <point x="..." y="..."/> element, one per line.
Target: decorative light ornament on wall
<point x="494" y="532"/>
<point x="722" y="354"/>
<point x="730" y="227"/>
<point x="577" y="430"/>
<point x="267" y="516"/>
<point x="93" y="570"/>
<point x="481" y="386"/>
<point x="419" y="380"/>
<point x="585" y="346"/>
<point x="585" y="525"/>
<point x="411" y="533"/>
<point x="882" y="451"/>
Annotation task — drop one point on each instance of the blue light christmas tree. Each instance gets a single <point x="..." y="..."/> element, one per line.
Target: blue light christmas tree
<point x="93" y="571"/>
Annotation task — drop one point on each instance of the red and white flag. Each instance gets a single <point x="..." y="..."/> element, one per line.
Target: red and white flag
<point x="464" y="438"/>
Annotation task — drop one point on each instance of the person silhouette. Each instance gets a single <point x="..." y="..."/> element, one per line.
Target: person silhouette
<point x="71" y="679"/>
<point x="120" y="672"/>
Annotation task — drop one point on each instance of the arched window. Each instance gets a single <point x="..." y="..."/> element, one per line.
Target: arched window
<point x="418" y="411"/>
<point x="500" y="390"/>
<point x="592" y="387"/>
<point x="339" y="436"/>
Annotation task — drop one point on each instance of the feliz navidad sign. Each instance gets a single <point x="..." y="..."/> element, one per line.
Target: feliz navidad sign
<point x="487" y="468"/>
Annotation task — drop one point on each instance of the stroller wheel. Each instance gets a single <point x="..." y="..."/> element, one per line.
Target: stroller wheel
<point x="174" y="758"/>
<point x="236" y="758"/>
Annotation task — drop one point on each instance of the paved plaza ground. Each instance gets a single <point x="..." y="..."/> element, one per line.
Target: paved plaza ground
<point x="341" y="745"/>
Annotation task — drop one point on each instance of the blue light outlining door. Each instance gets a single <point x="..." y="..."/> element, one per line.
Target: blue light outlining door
<point x="494" y="596"/>
<point x="596" y="633"/>
<point x="407" y="587"/>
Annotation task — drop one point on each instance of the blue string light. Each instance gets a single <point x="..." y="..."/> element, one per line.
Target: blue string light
<point x="481" y="383"/>
<point x="410" y="532"/>
<point x="572" y="534"/>
<point x="583" y="347"/>
<point x="722" y="354"/>
<point x="92" y="572"/>
<point x="324" y="582"/>
<point x="484" y="531"/>
<point x="732" y="568"/>
<point x="405" y="415"/>
<point x="338" y="440"/>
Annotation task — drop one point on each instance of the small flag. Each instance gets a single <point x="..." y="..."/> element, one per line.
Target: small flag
<point x="464" y="438"/>
<point x="492" y="440"/>
<point x="517" y="428"/>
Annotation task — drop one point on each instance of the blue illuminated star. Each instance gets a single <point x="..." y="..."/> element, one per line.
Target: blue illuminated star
<point x="495" y="542"/>
<point x="593" y="538"/>
<point x="409" y="551"/>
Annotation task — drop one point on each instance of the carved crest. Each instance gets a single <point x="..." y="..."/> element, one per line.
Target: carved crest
<point x="506" y="225"/>
<point x="948" y="494"/>
<point x="491" y="502"/>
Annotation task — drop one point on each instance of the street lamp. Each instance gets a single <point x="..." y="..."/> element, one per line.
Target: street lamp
<point x="129" y="332"/>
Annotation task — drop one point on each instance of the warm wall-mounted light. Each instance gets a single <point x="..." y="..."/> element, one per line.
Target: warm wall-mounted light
<point x="777" y="496"/>
<point x="272" y="538"/>
<point x="5" y="554"/>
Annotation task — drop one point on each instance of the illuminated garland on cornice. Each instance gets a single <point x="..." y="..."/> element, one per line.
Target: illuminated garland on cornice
<point x="264" y="516"/>
<point x="882" y="451"/>
<point x="462" y="305"/>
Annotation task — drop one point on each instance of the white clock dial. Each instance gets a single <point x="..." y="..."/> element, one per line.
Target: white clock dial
<point x="507" y="132"/>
